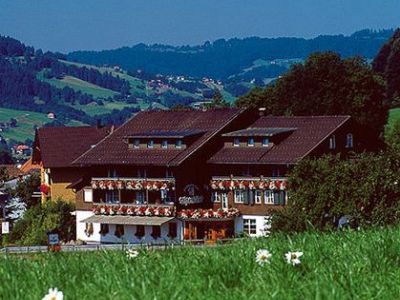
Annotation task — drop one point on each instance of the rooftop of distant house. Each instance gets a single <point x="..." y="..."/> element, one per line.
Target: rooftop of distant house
<point x="56" y="147"/>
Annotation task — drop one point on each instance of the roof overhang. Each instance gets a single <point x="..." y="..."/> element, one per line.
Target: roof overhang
<point x="128" y="220"/>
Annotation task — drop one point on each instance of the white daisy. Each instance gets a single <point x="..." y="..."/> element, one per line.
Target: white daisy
<point x="131" y="253"/>
<point x="293" y="258"/>
<point x="263" y="256"/>
<point x="54" y="294"/>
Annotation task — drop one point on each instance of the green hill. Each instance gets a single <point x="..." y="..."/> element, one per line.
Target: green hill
<point x="26" y="122"/>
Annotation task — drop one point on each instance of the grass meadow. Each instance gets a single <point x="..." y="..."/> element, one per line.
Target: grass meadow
<point x="340" y="265"/>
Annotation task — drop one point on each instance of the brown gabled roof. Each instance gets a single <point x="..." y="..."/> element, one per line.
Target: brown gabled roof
<point x="29" y="167"/>
<point x="114" y="148"/>
<point x="57" y="147"/>
<point x="308" y="134"/>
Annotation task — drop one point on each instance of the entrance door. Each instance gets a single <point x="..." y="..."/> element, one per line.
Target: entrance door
<point x="224" y="201"/>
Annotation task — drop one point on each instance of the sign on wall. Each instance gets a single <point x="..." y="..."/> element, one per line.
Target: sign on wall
<point x="192" y="195"/>
<point x="53" y="239"/>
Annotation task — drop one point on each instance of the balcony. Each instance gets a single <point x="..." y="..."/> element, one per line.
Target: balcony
<point x="121" y="183"/>
<point x="251" y="183"/>
<point x="128" y="205"/>
<point x="133" y="191"/>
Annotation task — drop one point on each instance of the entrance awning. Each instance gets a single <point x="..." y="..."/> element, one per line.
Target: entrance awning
<point x="128" y="220"/>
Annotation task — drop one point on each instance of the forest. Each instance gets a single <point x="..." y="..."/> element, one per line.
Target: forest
<point x="222" y="58"/>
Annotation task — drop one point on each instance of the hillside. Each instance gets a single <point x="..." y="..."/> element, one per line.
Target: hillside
<point x="26" y="122"/>
<point x="254" y="57"/>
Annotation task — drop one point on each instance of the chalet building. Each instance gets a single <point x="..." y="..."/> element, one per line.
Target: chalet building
<point x="249" y="173"/>
<point x="55" y="148"/>
<point x="143" y="182"/>
<point x="181" y="175"/>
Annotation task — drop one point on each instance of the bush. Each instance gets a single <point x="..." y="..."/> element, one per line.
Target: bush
<point x="38" y="220"/>
<point x="367" y="188"/>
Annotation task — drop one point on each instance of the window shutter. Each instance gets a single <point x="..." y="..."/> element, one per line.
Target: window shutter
<point x="245" y="197"/>
<point x="283" y="197"/>
<point x="251" y="197"/>
<point x="276" y="198"/>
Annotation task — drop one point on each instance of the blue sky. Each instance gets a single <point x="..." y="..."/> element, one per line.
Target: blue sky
<point x="105" y="24"/>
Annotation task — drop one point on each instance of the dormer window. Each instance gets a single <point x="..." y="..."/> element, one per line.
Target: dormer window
<point x="332" y="142"/>
<point x="349" y="140"/>
<point x="178" y="144"/>
<point x="265" y="142"/>
<point x="250" y="142"/>
<point x="150" y="144"/>
<point x="164" y="144"/>
<point x="136" y="144"/>
<point x="236" y="142"/>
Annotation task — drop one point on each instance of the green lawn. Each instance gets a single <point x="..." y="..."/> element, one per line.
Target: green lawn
<point x="342" y="265"/>
<point x="136" y="84"/>
<point x="394" y="114"/>
<point x="94" y="109"/>
<point x="80" y="85"/>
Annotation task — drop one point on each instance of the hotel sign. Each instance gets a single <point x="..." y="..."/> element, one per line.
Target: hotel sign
<point x="191" y="198"/>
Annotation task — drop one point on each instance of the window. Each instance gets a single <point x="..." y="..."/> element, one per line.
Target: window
<point x="89" y="229"/>
<point x="164" y="144"/>
<point x="112" y="173"/>
<point x="119" y="230"/>
<point x="172" y="230"/>
<point x="218" y="197"/>
<point x="236" y="142"/>
<point x="268" y="197"/>
<point x="215" y="197"/>
<point x="178" y="144"/>
<point x="349" y="140"/>
<point x="150" y="144"/>
<point x="250" y="226"/>
<point x="141" y="173"/>
<point x="136" y="143"/>
<point x="224" y="200"/>
<point x="276" y="173"/>
<point x="169" y="173"/>
<point x="250" y="142"/>
<point x="265" y="142"/>
<point x="139" y="197"/>
<point x="104" y="229"/>
<point x="332" y="142"/>
<point x="112" y="197"/>
<point x="156" y="232"/>
<point x="257" y="197"/>
<point x="240" y="196"/>
<point x="88" y="195"/>
<point x="139" y="231"/>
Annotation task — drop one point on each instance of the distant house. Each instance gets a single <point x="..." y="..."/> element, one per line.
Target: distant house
<point x="54" y="150"/>
<point x="51" y="115"/>
<point x="22" y="150"/>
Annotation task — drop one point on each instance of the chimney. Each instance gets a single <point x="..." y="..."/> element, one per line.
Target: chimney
<point x="261" y="111"/>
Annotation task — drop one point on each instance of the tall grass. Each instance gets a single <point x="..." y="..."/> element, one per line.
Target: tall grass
<point x="342" y="265"/>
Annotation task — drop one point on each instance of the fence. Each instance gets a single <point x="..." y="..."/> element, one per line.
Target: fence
<point x="105" y="247"/>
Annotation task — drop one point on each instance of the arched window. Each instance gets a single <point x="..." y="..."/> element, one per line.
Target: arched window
<point x="349" y="140"/>
<point x="332" y="142"/>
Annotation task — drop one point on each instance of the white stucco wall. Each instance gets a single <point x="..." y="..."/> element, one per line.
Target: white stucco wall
<point x="261" y="224"/>
<point x="129" y="232"/>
